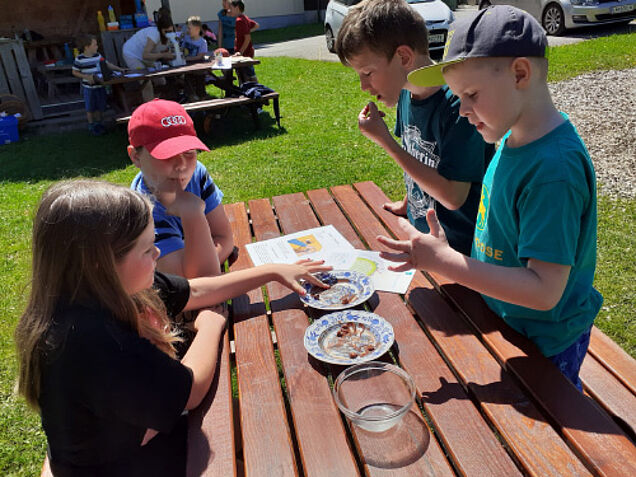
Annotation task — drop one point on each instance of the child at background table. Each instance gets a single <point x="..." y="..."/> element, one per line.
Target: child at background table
<point x="96" y="341"/>
<point x="209" y="36"/>
<point x="193" y="232"/>
<point x="243" y="44"/>
<point x="194" y="48"/>
<point x="534" y="250"/>
<point x="442" y="154"/>
<point x="227" y="24"/>
<point x="86" y="67"/>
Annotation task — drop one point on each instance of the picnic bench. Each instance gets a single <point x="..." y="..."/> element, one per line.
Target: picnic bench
<point x="488" y="402"/>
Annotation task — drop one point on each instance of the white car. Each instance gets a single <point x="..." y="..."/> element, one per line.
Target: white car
<point x="437" y="15"/>
<point x="558" y="15"/>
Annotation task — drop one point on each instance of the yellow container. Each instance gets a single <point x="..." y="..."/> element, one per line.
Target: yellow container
<point x="100" y="20"/>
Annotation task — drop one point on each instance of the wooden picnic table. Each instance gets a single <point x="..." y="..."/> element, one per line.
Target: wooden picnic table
<point x="224" y="81"/>
<point x="489" y="403"/>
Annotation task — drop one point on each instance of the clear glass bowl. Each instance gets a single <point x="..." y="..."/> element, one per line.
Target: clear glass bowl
<point x="374" y="395"/>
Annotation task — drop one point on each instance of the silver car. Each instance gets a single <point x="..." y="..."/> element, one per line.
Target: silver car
<point x="558" y="15"/>
<point x="437" y="15"/>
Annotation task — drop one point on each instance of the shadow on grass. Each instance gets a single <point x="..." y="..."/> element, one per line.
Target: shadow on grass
<point x="72" y="154"/>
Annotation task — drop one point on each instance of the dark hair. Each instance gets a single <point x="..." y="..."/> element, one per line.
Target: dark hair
<point x="381" y="26"/>
<point x="164" y="21"/>
<point x="239" y="4"/>
<point x="84" y="41"/>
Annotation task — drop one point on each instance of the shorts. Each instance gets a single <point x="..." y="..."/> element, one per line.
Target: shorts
<point x="94" y="99"/>
<point x="569" y="360"/>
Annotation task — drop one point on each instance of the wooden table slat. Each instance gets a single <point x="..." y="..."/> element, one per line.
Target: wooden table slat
<point x="610" y="393"/>
<point x="323" y="446"/>
<point x="260" y="395"/>
<point x="587" y="428"/>
<point x="617" y="361"/>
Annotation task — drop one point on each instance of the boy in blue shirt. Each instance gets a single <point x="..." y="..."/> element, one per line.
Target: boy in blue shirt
<point x="194" y="48"/>
<point x="534" y="250"/>
<point x="192" y="230"/>
<point x="443" y="157"/>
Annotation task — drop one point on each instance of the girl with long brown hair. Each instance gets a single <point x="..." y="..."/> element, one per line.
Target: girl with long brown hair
<point x="96" y="341"/>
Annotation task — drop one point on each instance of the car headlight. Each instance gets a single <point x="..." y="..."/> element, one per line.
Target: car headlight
<point x="588" y="3"/>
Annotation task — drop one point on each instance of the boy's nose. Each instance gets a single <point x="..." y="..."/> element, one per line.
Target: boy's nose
<point x="464" y="110"/>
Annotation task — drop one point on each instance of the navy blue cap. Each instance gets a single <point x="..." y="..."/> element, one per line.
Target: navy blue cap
<point x="496" y="31"/>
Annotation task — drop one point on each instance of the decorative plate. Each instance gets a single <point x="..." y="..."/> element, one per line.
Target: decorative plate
<point x="348" y="337"/>
<point x="348" y="289"/>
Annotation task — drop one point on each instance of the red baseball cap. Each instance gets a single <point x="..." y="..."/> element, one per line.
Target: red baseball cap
<point x="164" y="128"/>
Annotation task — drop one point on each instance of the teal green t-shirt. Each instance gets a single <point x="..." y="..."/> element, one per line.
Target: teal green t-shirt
<point x="539" y="201"/>
<point x="435" y="134"/>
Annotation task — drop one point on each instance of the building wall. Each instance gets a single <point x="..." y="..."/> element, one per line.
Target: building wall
<point x="266" y="12"/>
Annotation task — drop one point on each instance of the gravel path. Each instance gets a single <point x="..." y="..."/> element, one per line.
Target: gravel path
<point x="602" y="106"/>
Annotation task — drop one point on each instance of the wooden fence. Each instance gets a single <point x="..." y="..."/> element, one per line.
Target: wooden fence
<point x="16" y="77"/>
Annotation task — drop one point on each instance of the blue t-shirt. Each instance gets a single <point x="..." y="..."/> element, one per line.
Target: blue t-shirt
<point x="539" y="201"/>
<point x="194" y="47"/>
<point x="229" y="23"/>
<point x="168" y="229"/>
<point x="435" y="134"/>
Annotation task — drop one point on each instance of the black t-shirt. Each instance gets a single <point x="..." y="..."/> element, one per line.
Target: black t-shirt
<point x="103" y="386"/>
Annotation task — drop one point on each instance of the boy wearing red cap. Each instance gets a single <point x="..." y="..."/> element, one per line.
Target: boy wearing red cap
<point x="192" y="230"/>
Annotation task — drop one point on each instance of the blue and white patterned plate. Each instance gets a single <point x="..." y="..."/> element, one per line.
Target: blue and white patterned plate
<point x="323" y="343"/>
<point x="348" y="289"/>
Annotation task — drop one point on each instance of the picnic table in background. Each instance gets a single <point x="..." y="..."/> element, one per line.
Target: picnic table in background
<point x="488" y="402"/>
<point x="225" y="81"/>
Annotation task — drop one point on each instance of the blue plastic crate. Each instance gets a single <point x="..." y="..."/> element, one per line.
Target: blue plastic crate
<point x="8" y="129"/>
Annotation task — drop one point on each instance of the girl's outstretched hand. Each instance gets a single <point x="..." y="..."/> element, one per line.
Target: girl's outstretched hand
<point x="212" y="316"/>
<point x="291" y="274"/>
<point x="419" y="251"/>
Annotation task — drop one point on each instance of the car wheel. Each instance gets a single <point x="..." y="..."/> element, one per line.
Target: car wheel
<point x="553" y="20"/>
<point x="484" y="4"/>
<point x="331" y="40"/>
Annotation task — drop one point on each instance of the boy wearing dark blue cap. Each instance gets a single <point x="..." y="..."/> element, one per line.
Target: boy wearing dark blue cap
<point x="443" y="157"/>
<point x="534" y="250"/>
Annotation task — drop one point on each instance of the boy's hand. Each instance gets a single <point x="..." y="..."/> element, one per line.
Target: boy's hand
<point x="290" y="275"/>
<point x="397" y="208"/>
<point x="419" y="251"/>
<point x="178" y="202"/>
<point x="372" y="125"/>
<point x="215" y="316"/>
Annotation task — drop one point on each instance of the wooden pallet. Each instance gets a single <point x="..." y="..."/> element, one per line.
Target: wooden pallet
<point x="16" y="77"/>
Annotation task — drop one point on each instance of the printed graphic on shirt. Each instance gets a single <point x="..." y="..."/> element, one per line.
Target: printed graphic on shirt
<point x="484" y="205"/>
<point x="424" y="151"/>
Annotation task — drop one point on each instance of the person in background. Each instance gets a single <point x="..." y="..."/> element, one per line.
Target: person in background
<point x="227" y="24"/>
<point x="194" y="48"/>
<point x="243" y="44"/>
<point x="148" y="46"/>
<point x="86" y="67"/>
<point x="209" y="37"/>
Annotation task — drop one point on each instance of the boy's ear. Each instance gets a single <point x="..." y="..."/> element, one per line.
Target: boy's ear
<point x="522" y="69"/>
<point x="406" y="55"/>
<point x="134" y="156"/>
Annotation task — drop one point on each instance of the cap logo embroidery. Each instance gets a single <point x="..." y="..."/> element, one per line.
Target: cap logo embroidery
<point x="172" y="121"/>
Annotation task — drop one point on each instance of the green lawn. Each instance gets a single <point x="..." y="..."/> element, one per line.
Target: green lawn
<point x="319" y="146"/>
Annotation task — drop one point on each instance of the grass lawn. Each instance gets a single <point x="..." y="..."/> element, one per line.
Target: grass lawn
<point x="320" y="146"/>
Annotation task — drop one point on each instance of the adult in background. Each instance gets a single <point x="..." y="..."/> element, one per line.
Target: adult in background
<point x="146" y="47"/>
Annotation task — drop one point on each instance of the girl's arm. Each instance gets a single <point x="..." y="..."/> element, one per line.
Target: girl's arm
<point x="208" y="291"/>
<point x="539" y="285"/>
<point x="115" y="67"/>
<point x="202" y="355"/>
<point x="246" y="42"/>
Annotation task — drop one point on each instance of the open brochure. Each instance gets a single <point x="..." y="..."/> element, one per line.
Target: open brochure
<point x="326" y="243"/>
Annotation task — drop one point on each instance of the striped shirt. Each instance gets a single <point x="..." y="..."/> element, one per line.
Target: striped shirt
<point x="169" y="235"/>
<point x="88" y="65"/>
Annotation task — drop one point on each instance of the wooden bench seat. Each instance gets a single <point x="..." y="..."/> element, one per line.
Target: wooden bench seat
<point x="224" y="103"/>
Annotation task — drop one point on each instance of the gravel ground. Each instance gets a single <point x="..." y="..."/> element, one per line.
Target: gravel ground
<point x="602" y="106"/>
